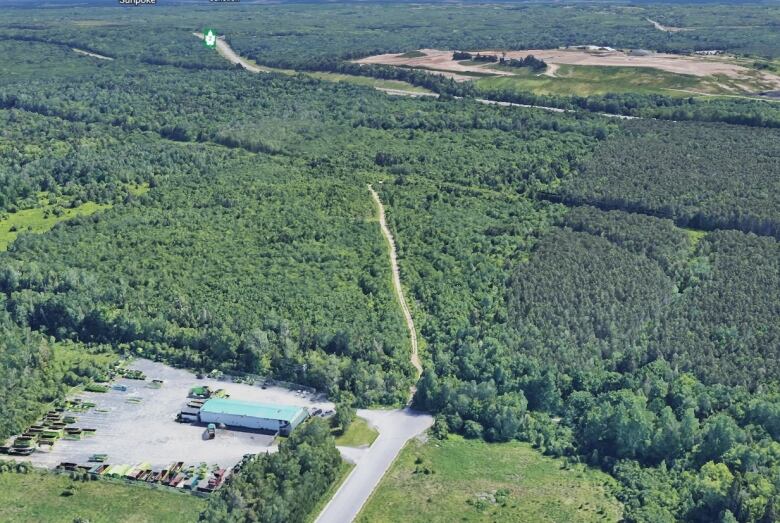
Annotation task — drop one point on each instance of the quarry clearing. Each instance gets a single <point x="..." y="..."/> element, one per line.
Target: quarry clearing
<point x="441" y="62"/>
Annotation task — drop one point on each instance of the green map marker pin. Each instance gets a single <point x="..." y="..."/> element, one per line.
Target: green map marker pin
<point x="210" y="38"/>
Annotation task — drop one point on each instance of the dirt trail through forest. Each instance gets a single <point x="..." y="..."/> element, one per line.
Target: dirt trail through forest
<point x="93" y="55"/>
<point x="397" y="281"/>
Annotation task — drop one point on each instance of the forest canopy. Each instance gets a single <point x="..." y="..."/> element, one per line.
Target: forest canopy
<point x="605" y="289"/>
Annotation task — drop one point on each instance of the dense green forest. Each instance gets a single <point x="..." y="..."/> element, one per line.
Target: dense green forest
<point x="327" y="37"/>
<point x="283" y="486"/>
<point x="294" y="36"/>
<point x="37" y="370"/>
<point x="616" y="324"/>
<point x="703" y="176"/>
<point x="559" y="299"/>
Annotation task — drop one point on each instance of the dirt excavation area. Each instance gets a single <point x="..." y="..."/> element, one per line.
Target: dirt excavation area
<point x="135" y="423"/>
<point x="702" y="66"/>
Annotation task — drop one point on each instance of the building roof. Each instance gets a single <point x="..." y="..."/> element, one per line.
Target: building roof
<point x="251" y="409"/>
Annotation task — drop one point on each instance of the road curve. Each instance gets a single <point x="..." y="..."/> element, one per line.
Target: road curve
<point x="399" y="292"/>
<point x="396" y="427"/>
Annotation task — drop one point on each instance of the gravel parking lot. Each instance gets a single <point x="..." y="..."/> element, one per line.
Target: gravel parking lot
<point x="138" y="425"/>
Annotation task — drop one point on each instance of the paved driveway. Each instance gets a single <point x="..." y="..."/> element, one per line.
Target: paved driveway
<point x="396" y="427"/>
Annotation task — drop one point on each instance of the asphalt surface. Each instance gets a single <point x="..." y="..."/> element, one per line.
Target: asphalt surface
<point x="396" y="427"/>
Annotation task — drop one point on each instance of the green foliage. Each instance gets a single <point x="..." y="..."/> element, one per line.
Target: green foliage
<point x="33" y="495"/>
<point x="610" y="337"/>
<point x="345" y="415"/>
<point x="269" y="309"/>
<point x="469" y="480"/>
<point x="359" y="434"/>
<point x="284" y="486"/>
<point x="37" y="371"/>
<point x="702" y="175"/>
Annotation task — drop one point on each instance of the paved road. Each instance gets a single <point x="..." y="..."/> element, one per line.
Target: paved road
<point x="396" y="427"/>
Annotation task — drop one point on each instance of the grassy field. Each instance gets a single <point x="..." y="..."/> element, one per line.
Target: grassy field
<point x="40" y="496"/>
<point x="597" y="80"/>
<point x="474" y="481"/>
<point x="593" y="80"/>
<point x="358" y="434"/>
<point x="40" y="219"/>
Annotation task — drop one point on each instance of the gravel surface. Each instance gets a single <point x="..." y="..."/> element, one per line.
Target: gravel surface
<point x="134" y="431"/>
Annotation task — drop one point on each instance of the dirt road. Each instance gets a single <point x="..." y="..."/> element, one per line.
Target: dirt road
<point x="228" y="53"/>
<point x="93" y="55"/>
<point x="399" y="292"/>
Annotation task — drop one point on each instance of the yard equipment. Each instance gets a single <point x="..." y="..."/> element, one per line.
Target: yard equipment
<point x="47" y="441"/>
<point x="24" y="442"/>
<point x="200" y="392"/>
<point x="133" y="374"/>
<point x="52" y="433"/>
<point x="73" y="433"/>
<point x="21" y="451"/>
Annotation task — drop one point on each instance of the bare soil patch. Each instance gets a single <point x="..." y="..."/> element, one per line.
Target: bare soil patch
<point x="441" y="62"/>
<point x="667" y="28"/>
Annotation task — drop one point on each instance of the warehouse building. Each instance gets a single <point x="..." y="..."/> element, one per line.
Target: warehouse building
<point x="250" y="415"/>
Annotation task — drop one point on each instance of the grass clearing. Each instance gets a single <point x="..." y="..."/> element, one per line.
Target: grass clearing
<point x="40" y="496"/>
<point x="589" y="80"/>
<point x="359" y="434"/>
<point x="42" y="218"/>
<point x="595" y="80"/>
<point x="470" y="480"/>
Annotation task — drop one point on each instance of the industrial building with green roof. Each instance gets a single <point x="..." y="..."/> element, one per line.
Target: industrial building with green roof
<point x="247" y="414"/>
